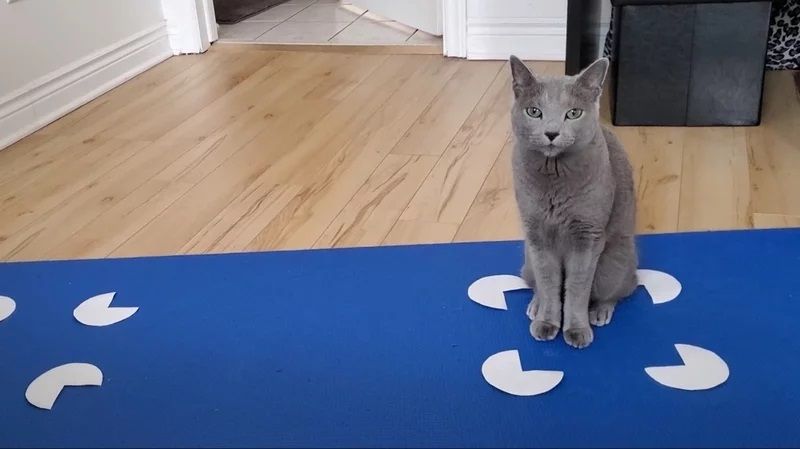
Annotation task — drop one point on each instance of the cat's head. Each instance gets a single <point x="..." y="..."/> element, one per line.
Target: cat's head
<point x="551" y="114"/>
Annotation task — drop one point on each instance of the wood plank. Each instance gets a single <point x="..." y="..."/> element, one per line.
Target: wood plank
<point x="369" y="216"/>
<point x="155" y="96"/>
<point x="124" y="94"/>
<point x="19" y="151"/>
<point x="333" y="48"/>
<point x="92" y="199"/>
<point x="448" y="192"/>
<point x="493" y="215"/>
<point x="656" y="156"/>
<point x="240" y="99"/>
<point x="292" y="148"/>
<point x="343" y="172"/>
<point x="766" y="221"/>
<point x="28" y="205"/>
<point x="410" y="93"/>
<point x="436" y="126"/>
<point x="240" y="221"/>
<point x="410" y="232"/>
<point x="188" y="98"/>
<point x="715" y="185"/>
<point x="450" y="189"/>
<point x="38" y="157"/>
<point x="773" y="148"/>
<point x="276" y="112"/>
<point x="170" y="230"/>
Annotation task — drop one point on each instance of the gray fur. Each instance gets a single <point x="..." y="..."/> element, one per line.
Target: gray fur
<point x="576" y="201"/>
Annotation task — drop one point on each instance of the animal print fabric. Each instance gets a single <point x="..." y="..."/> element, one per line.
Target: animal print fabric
<point x="783" y="48"/>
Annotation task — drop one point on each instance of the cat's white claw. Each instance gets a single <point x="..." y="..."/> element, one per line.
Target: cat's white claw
<point x="490" y="291"/>
<point x="44" y="390"/>
<point x="662" y="287"/>
<point x="504" y="372"/>
<point x="97" y="311"/>
<point x="701" y="370"/>
<point x="7" y="307"/>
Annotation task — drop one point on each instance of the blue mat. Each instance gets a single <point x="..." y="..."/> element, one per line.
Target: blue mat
<point x="381" y="347"/>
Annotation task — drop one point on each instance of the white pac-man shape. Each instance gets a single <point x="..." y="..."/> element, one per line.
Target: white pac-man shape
<point x="44" y="390"/>
<point x="504" y="372"/>
<point x="662" y="287"/>
<point x="97" y="311"/>
<point x="7" y="307"/>
<point x="701" y="370"/>
<point x="490" y="291"/>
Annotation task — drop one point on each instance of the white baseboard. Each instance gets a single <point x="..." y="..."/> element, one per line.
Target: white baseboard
<point x="542" y="39"/>
<point x="48" y="98"/>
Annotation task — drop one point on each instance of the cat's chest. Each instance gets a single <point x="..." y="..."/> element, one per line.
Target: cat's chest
<point x="555" y="213"/>
<point x="559" y="223"/>
<point x="556" y="205"/>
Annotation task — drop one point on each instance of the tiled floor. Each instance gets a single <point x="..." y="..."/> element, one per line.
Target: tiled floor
<point x="323" y="22"/>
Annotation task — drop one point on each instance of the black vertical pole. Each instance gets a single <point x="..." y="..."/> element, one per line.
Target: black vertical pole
<point x="583" y="34"/>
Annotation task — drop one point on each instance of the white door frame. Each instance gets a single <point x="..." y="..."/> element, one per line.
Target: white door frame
<point x="454" y="30"/>
<point x="191" y="25"/>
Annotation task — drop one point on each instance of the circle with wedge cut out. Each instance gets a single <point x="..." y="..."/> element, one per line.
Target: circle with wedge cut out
<point x="702" y="369"/>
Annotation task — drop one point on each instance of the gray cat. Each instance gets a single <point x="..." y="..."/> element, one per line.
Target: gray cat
<point x="574" y="189"/>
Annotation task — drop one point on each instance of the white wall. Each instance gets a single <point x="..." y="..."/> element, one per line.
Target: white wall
<point x="530" y="29"/>
<point x="58" y="54"/>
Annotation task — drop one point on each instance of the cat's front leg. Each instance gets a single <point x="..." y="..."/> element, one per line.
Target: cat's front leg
<point x="579" y="269"/>
<point x="546" y="268"/>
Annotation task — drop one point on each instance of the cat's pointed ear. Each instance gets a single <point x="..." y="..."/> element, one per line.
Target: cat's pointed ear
<point x="523" y="78"/>
<point x="592" y="77"/>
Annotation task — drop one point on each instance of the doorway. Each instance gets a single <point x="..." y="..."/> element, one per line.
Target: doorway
<point x="333" y="22"/>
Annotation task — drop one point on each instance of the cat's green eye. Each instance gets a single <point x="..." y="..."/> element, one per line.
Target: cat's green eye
<point x="574" y="113"/>
<point x="533" y="112"/>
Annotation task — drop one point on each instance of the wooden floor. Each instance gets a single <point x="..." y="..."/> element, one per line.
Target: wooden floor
<point x="246" y="149"/>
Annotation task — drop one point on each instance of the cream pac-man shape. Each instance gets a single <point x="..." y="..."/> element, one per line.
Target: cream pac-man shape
<point x="44" y="390"/>
<point x="504" y="372"/>
<point x="662" y="287"/>
<point x="489" y="291"/>
<point x="701" y="370"/>
<point x="7" y="307"/>
<point x="97" y="311"/>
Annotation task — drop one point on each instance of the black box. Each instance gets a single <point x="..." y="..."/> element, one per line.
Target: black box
<point x="688" y="63"/>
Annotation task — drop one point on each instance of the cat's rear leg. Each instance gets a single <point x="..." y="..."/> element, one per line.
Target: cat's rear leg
<point x="600" y="313"/>
<point x="614" y="279"/>
<point x="526" y="273"/>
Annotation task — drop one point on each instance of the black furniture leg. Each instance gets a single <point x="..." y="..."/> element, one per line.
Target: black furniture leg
<point x="584" y="42"/>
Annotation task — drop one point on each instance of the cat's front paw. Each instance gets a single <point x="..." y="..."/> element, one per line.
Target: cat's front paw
<point x="579" y="337"/>
<point x="543" y="331"/>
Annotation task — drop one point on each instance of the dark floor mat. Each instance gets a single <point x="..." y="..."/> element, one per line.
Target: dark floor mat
<point x="234" y="11"/>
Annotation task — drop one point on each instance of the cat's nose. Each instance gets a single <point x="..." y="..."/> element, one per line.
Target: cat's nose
<point x="551" y="136"/>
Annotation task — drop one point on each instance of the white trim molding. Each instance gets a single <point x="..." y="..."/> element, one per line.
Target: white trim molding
<point x="44" y="100"/>
<point x="528" y="38"/>
<point x="454" y="13"/>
